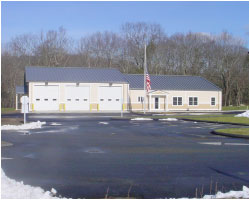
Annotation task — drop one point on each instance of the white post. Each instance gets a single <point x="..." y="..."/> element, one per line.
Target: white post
<point x="24" y="100"/>
<point x="16" y="102"/>
<point x="149" y="102"/>
<point x="122" y="108"/>
<point x="24" y="118"/>
<point x="145" y="63"/>
<point x="24" y="114"/>
<point x="166" y="102"/>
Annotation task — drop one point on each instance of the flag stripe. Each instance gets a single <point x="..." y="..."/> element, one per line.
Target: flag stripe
<point x="148" y="82"/>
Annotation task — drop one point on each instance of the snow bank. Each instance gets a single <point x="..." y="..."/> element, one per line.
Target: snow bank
<point x="245" y="114"/>
<point x="169" y="119"/>
<point x="11" y="189"/>
<point x="244" y="194"/>
<point x="32" y="125"/>
<point x="141" y="119"/>
<point x="105" y="123"/>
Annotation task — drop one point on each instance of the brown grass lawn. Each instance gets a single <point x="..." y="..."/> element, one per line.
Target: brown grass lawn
<point x="11" y="121"/>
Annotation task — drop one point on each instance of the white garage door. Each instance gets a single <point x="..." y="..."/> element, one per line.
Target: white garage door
<point x="46" y="97"/>
<point x="77" y="98"/>
<point x="110" y="98"/>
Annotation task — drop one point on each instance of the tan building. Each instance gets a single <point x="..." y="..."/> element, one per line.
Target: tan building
<point x="174" y="93"/>
<point x="81" y="89"/>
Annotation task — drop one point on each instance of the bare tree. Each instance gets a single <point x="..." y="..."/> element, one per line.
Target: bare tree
<point x="222" y="58"/>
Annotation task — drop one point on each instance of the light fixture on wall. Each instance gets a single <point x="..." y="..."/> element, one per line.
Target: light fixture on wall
<point x="46" y="83"/>
<point x="110" y="84"/>
<point x="77" y="84"/>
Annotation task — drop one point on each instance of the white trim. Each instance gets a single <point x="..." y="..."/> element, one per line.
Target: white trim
<point x="177" y="100"/>
<point x="141" y="99"/>
<point x="214" y="101"/>
<point x="159" y="105"/>
<point x="193" y="100"/>
<point x="166" y="102"/>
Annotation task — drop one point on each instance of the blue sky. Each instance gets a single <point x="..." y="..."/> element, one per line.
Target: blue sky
<point x="81" y="18"/>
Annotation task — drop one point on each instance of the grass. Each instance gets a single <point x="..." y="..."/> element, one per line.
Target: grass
<point x="235" y="108"/>
<point x="186" y="116"/>
<point x="11" y="121"/>
<point x="8" y="110"/>
<point x="227" y="119"/>
<point x="236" y="131"/>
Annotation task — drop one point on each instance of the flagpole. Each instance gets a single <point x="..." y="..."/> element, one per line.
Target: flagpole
<point x="145" y="63"/>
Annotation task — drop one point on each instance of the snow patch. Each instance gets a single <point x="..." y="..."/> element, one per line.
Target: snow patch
<point x="32" y="125"/>
<point x="55" y="124"/>
<point x="11" y="189"/>
<point x="244" y="194"/>
<point x="245" y="114"/>
<point x="169" y="119"/>
<point x="141" y="119"/>
<point x="105" y="123"/>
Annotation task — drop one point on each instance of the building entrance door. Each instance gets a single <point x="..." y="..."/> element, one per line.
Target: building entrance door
<point x="156" y="102"/>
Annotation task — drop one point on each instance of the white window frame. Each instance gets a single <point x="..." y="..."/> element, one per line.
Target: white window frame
<point x="214" y="101"/>
<point x="140" y="99"/>
<point x="177" y="100"/>
<point x="193" y="100"/>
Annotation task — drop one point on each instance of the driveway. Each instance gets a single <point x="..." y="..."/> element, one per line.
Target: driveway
<point x="82" y="156"/>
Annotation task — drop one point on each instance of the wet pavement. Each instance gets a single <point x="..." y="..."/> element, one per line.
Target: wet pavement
<point x="81" y="157"/>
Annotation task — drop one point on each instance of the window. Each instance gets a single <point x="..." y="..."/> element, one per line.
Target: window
<point x="45" y="99"/>
<point x="117" y="99"/>
<point x="68" y="99"/>
<point x="109" y="99"/>
<point x="37" y="99"/>
<point x="177" y="101"/>
<point x="212" y="101"/>
<point x="193" y="101"/>
<point x="54" y="99"/>
<point x="140" y="99"/>
<point x="77" y="99"/>
<point x="85" y="99"/>
<point x="101" y="99"/>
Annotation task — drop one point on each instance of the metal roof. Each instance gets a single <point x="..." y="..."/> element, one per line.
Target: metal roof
<point x="107" y="75"/>
<point x="168" y="82"/>
<point x="21" y="90"/>
<point x="73" y="74"/>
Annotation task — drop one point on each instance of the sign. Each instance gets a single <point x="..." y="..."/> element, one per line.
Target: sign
<point x="24" y="100"/>
<point x="25" y="107"/>
<point x="25" y="104"/>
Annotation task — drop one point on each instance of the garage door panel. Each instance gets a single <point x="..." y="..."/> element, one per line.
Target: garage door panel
<point x="110" y="98"/>
<point x="45" y="98"/>
<point x="77" y="98"/>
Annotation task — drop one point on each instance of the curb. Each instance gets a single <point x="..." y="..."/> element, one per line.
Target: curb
<point x="213" y="122"/>
<point x="230" y="135"/>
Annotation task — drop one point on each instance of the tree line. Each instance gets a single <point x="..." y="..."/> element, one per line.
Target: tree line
<point x="222" y="58"/>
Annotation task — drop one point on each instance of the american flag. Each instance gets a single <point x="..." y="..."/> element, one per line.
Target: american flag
<point x="148" y="82"/>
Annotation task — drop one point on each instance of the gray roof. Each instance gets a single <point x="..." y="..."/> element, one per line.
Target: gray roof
<point x="162" y="82"/>
<point x="73" y="74"/>
<point x="21" y="90"/>
<point x="105" y="75"/>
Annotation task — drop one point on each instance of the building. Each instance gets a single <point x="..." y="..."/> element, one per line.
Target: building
<point x="99" y="89"/>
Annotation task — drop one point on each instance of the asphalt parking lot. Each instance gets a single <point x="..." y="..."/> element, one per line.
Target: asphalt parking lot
<point x="83" y="156"/>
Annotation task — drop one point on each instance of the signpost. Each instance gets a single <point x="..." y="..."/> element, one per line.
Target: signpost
<point x="25" y="107"/>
